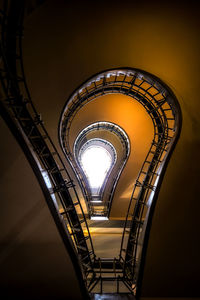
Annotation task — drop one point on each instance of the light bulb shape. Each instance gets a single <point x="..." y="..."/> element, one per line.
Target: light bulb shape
<point x="96" y="162"/>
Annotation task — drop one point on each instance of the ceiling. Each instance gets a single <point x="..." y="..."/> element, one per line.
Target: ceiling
<point x="64" y="44"/>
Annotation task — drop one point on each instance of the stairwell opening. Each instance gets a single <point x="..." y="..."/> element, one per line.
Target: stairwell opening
<point x="162" y="109"/>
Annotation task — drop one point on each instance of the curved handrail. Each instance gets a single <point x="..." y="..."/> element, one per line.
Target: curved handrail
<point x="163" y="108"/>
<point x="122" y="136"/>
<point x="166" y="117"/>
<point x="51" y="205"/>
<point x="50" y="140"/>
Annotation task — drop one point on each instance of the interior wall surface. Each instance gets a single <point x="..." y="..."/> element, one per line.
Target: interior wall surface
<point x="66" y="43"/>
<point x="34" y="263"/>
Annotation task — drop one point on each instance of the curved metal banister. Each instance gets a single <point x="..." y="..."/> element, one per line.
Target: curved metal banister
<point x="52" y="144"/>
<point x="163" y="108"/>
<point x="35" y="165"/>
<point x="162" y="170"/>
<point x="82" y="136"/>
<point x="21" y="116"/>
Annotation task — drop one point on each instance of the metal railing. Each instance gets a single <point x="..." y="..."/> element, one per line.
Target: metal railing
<point x="106" y="198"/>
<point x="19" y="112"/>
<point x="163" y="108"/>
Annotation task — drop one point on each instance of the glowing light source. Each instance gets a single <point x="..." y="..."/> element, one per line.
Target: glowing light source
<point x="99" y="218"/>
<point x="96" y="162"/>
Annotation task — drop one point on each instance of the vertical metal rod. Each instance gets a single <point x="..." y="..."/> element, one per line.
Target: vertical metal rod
<point x="101" y="283"/>
<point x="118" y="284"/>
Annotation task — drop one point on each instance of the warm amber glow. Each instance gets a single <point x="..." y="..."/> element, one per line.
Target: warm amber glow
<point x="133" y="119"/>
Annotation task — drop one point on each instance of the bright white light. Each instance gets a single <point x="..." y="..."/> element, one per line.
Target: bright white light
<point x="96" y="162"/>
<point x="100" y="218"/>
<point x="96" y="201"/>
